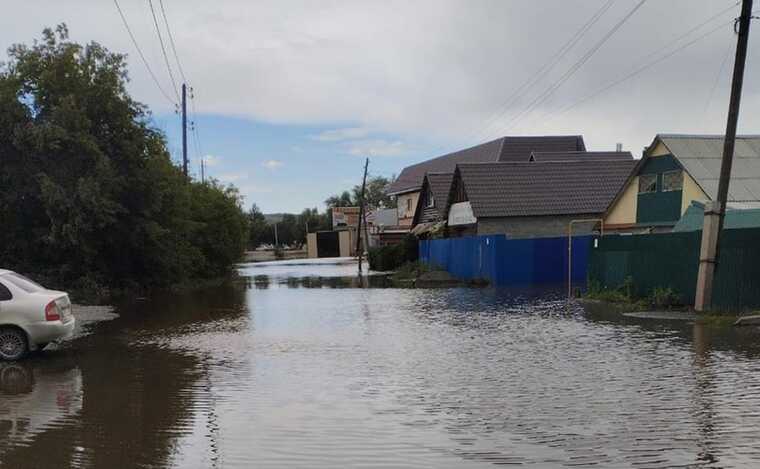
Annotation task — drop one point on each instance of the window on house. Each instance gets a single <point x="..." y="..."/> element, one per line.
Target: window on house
<point x="430" y="200"/>
<point x="672" y="181"/>
<point x="409" y="204"/>
<point x="647" y="183"/>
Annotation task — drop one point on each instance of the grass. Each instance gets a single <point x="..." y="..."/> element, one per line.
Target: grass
<point x="411" y="270"/>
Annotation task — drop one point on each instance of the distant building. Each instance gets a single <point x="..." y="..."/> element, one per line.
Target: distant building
<point x="406" y="188"/>
<point x="538" y="198"/>
<point x="677" y="170"/>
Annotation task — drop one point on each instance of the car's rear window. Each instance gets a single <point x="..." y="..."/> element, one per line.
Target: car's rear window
<point x="29" y="286"/>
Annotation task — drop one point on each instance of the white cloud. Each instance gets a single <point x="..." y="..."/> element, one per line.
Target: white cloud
<point x="338" y="135"/>
<point x="212" y="160"/>
<point x="434" y="69"/>
<point x="232" y="177"/>
<point x="272" y="164"/>
<point x="378" y="147"/>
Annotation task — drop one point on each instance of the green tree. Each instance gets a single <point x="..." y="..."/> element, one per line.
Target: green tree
<point x="374" y="193"/>
<point x="88" y="191"/>
<point x="341" y="200"/>
<point x="259" y="227"/>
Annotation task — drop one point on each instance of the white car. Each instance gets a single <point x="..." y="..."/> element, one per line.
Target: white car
<point x="31" y="316"/>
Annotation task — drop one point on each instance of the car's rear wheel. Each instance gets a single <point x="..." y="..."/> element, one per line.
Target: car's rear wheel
<point x="13" y="344"/>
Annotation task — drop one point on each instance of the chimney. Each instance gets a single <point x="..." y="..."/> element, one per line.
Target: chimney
<point x="619" y="147"/>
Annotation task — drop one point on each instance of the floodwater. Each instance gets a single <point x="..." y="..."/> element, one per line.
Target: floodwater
<point x="294" y="366"/>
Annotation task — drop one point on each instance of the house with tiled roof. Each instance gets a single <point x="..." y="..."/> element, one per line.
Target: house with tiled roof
<point x="408" y="186"/>
<point x="677" y="170"/>
<point x="431" y="204"/>
<point x="536" y="198"/>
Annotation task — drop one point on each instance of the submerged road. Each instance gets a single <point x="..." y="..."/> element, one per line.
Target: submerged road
<point x="293" y="366"/>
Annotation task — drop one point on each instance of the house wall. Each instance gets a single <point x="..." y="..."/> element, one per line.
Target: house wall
<point x="345" y="242"/>
<point x="534" y="227"/>
<point x="405" y="213"/>
<point x="624" y="210"/>
<point x="628" y="210"/>
<point x="691" y="192"/>
<point x="311" y="245"/>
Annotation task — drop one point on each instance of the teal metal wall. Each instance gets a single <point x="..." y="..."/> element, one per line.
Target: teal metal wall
<point x="659" y="206"/>
<point x="672" y="260"/>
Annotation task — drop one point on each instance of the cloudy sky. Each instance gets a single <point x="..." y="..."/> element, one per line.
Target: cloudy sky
<point x="290" y="96"/>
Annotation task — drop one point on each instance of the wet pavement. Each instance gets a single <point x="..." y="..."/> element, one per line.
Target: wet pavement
<point x="295" y="366"/>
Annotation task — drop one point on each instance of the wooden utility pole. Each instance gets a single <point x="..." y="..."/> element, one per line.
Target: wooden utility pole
<point x="359" y="248"/>
<point x="184" y="128"/>
<point x="715" y="211"/>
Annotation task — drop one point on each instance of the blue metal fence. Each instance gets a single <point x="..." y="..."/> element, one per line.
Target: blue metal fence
<point x="505" y="261"/>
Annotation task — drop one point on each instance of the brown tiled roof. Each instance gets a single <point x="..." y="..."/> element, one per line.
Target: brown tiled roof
<point x="501" y="149"/>
<point x="552" y="188"/>
<point x="440" y="186"/>
<point x="580" y="155"/>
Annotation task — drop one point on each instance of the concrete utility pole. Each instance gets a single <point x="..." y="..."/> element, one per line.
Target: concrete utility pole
<point x="184" y="128"/>
<point x="359" y="249"/>
<point x="715" y="211"/>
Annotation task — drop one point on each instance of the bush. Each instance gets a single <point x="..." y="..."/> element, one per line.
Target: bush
<point x="664" y="297"/>
<point x="392" y="257"/>
<point x="89" y="195"/>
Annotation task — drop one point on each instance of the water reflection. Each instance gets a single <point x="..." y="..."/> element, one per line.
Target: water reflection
<point x="294" y="366"/>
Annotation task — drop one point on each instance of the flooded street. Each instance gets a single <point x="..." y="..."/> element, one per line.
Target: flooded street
<point x="294" y="366"/>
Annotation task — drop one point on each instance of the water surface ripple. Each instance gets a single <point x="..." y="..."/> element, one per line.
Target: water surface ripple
<point x="293" y="366"/>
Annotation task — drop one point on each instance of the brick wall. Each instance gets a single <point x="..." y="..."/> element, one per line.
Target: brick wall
<point x="534" y="227"/>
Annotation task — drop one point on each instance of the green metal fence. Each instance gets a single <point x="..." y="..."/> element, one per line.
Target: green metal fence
<point x="672" y="260"/>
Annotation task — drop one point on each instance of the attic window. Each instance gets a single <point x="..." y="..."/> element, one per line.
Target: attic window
<point x="647" y="183"/>
<point x="430" y="200"/>
<point x="672" y="181"/>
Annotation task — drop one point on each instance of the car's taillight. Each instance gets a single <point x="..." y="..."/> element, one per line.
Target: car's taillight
<point x="52" y="313"/>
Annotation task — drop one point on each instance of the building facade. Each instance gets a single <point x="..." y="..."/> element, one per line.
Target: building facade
<point x="677" y="170"/>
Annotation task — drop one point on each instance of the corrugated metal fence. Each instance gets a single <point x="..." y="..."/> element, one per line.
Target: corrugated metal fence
<point x="672" y="260"/>
<point x="505" y="261"/>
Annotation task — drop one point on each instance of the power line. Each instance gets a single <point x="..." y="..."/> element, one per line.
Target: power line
<point x="142" y="56"/>
<point x="171" y="41"/>
<point x="639" y="70"/>
<point x="654" y="53"/>
<point x="163" y="49"/>
<point x="545" y="68"/>
<point x="575" y="67"/>
<point x="717" y="80"/>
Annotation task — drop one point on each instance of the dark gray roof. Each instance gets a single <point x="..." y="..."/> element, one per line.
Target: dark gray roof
<point x="440" y="186"/>
<point x="580" y="155"/>
<point x="551" y="188"/>
<point x="502" y="149"/>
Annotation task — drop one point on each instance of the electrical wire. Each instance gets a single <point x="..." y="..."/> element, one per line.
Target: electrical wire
<point x="540" y="99"/>
<point x="547" y="67"/>
<point x="163" y="49"/>
<point x="639" y="70"/>
<point x="717" y="80"/>
<point x="654" y="53"/>
<point x="142" y="56"/>
<point x="171" y="41"/>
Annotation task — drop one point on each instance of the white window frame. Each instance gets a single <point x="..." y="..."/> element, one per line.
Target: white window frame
<point x="655" y="183"/>
<point x="430" y="200"/>
<point x="663" y="180"/>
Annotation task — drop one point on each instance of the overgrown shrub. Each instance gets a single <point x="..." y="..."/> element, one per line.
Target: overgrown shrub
<point x="662" y="297"/>
<point x="89" y="195"/>
<point x="392" y="257"/>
